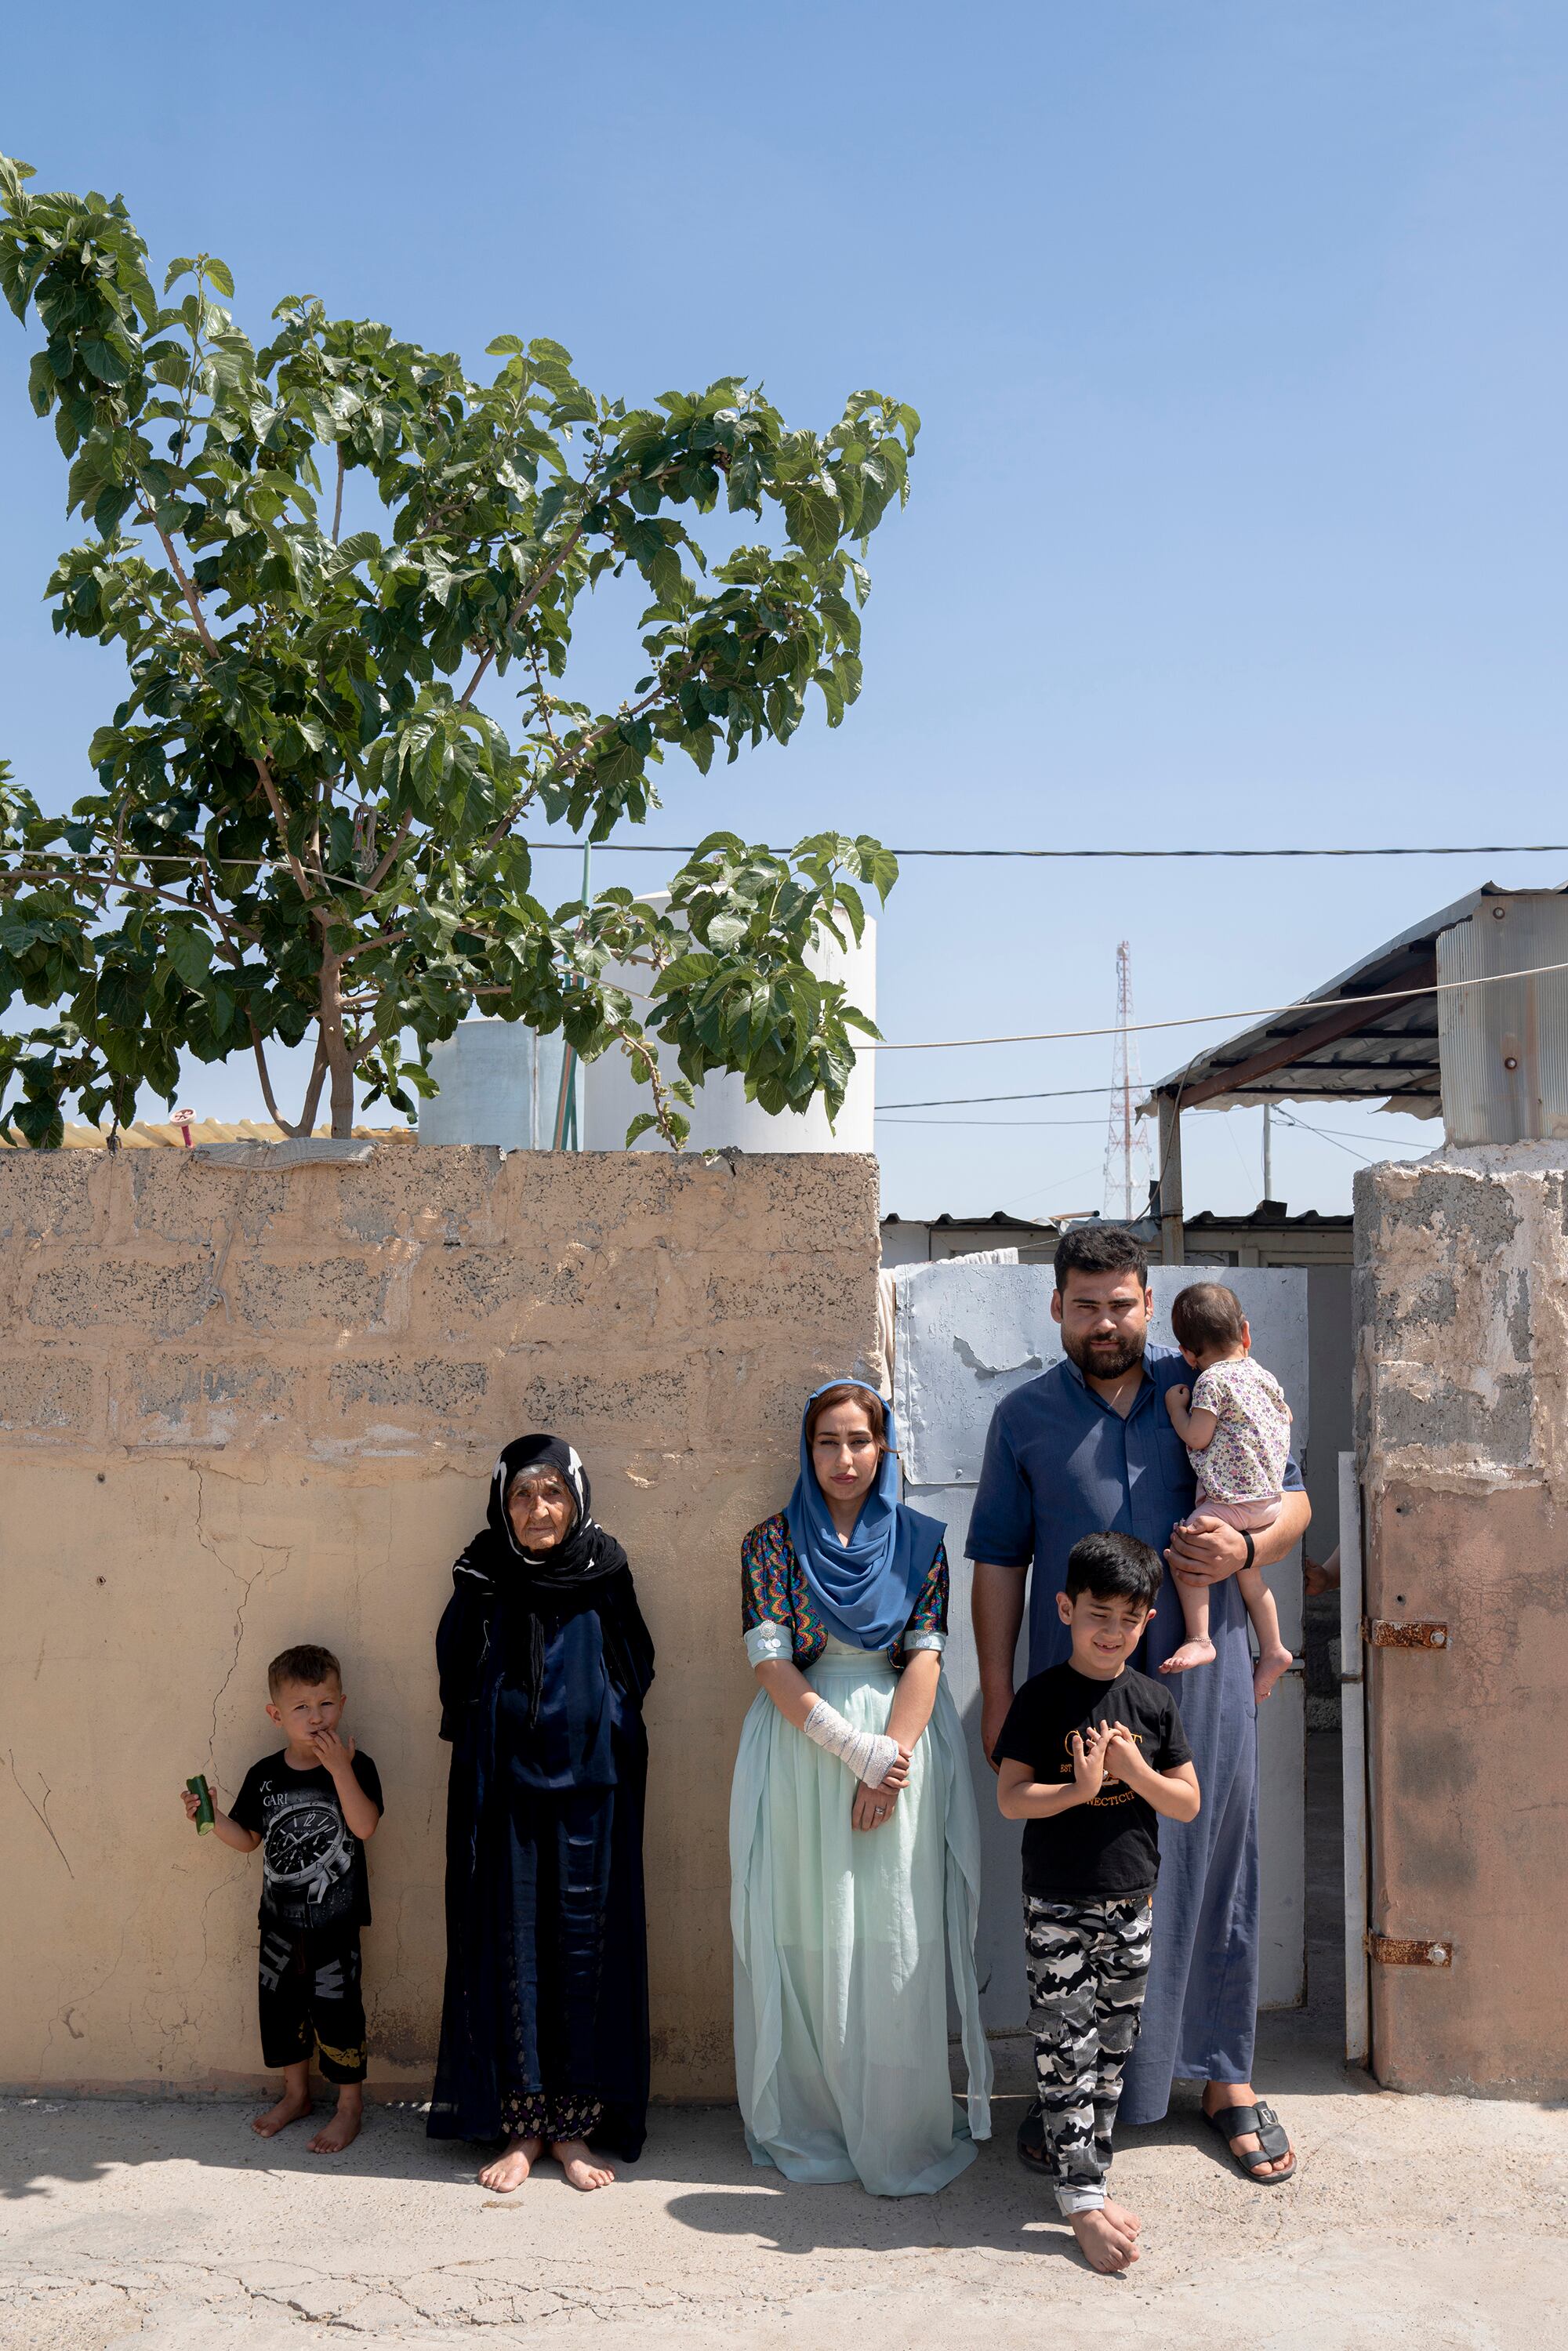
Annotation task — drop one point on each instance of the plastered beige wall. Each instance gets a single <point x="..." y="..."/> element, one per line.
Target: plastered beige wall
<point x="240" y="1409"/>
<point x="1462" y="1411"/>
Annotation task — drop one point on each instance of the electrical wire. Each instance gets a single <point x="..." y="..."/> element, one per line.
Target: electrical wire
<point x="956" y="1101"/>
<point x="1481" y="848"/>
<point x="1201" y="1019"/>
<point x="1062" y="856"/>
<point x="883" y="1119"/>
<point x="1328" y="1135"/>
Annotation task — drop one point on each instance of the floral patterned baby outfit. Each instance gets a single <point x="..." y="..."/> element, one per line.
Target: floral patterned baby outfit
<point x="1244" y="1461"/>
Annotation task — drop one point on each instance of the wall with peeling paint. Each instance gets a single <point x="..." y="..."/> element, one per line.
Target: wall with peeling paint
<point x="1462" y="1432"/>
<point x="244" y="1407"/>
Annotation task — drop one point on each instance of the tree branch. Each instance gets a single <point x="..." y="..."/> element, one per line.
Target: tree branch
<point x="188" y="588"/>
<point x="385" y="867"/>
<point x="265" y="771"/>
<point x="575" y="758"/>
<point x="43" y="875"/>
<point x="313" y="1091"/>
<point x="540" y="580"/>
<point x="268" y="1097"/>
<point x="381" y="939"/>
<point x="338" y="501"/>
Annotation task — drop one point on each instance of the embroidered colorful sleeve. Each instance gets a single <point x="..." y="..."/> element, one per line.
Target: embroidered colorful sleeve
<point x="931" y="1608"/>
<point x="765" y="1576"/>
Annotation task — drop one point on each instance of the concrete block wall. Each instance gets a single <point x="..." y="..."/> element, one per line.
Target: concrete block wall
<point x="244" y="1407"/>
<point x="1461" y="1307"/>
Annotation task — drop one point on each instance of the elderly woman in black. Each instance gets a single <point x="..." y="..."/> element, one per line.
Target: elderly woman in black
<point x="545" y="1661"/>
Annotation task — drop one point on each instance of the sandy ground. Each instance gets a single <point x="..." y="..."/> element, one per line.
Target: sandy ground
<point x="169" y="2227"/>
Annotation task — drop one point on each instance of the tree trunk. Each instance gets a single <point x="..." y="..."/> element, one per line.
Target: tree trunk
<point x="335" y="1047"/>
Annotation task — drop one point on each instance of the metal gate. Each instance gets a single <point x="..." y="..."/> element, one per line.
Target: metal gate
<point x="965" y="1335"/>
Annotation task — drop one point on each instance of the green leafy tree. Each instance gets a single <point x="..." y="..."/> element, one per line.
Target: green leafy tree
<point x="303" y="825"/>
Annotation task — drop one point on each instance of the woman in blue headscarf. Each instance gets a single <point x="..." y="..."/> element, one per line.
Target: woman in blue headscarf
<point x="855" y="1843"/>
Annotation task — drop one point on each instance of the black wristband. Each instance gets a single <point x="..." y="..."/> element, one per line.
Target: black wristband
<point x="1251" y="1550"/>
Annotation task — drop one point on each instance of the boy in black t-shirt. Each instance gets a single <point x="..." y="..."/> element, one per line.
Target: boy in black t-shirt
<point x="312" y="1807"/>
<point x="1089" y="1754"/>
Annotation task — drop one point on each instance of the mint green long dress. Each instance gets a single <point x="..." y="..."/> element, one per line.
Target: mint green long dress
<point x="844" y="1939"/>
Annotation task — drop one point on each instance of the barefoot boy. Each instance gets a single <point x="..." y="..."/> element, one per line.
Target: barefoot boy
<point x="312" y="1807"/>
<point x="1091" y="1754"/>
<point x="1236" y="1425"/>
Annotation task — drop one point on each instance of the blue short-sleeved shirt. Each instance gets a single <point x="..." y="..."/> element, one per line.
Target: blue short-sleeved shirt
<point x="1061" y="1463"/>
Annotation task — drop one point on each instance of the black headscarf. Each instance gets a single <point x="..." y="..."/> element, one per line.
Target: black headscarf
<point x="587" y="1569"/>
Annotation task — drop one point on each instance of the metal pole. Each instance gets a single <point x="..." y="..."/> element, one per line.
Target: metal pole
<point x="1173" y="1239"/>
<point x="565" y="1135"/>
<point x="1268" y="1151"/>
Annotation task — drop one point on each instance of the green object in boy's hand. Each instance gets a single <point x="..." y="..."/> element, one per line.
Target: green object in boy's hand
<point x="203" y="1796"/>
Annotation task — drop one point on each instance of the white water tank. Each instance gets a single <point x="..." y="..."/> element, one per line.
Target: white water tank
<point x="722" y="1118"/>
<point x="499" y="1083"/>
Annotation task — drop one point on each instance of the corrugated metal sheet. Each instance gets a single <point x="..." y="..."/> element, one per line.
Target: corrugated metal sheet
<point x="1388" y="1052"/>
<point x="1505" y="1047"/>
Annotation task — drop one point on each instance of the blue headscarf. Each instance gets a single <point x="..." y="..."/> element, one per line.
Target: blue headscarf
<point x="866" y="1588"/>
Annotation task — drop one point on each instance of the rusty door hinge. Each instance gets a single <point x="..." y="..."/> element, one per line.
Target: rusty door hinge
<point x="1388" y="1633"/>
<point x="1399" y="1951"/>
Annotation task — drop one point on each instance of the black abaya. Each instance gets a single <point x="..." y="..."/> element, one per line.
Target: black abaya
<point x="544" y="1664"/>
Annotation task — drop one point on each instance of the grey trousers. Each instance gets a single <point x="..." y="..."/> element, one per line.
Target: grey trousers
<point x="1088" y="1965"/>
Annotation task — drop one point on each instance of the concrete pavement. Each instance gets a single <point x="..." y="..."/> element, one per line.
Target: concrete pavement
<point x="170" y="2227"/>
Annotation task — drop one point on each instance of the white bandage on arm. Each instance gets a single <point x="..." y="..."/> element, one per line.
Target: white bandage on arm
<point x="864" y="1753"/>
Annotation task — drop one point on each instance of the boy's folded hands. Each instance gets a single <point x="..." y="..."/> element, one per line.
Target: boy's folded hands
<point x="1120" y="1749"/>
<point x="1105" y="1752"/>
<point x="1088" y="1751"/>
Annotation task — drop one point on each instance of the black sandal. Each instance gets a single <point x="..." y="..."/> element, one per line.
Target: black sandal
<point x="1230" y="2122"/>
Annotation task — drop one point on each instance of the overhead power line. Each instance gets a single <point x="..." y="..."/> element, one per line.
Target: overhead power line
<point x="1481" y="848"/>
<point x="1200" y="1020"/>
<point x="196" y="854"/>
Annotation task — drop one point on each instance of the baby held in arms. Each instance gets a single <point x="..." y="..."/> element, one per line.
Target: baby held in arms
<point x="1236" y="1425"/>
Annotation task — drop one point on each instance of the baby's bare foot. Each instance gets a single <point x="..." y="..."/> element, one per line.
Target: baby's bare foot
<point x="1270" y="1665"/>
<point x="1104" y="2246"/>
<point x="344" y="2127"/>
<point x="511" y="2168"/>
<point x="292" y="2107"/>
<point x="1120" y="2218"/>
<point x="1190" y="1653"/>
<point x="583" y="2169"/>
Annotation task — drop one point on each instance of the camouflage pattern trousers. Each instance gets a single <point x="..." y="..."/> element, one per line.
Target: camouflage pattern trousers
<point x="1088" y="1965"/>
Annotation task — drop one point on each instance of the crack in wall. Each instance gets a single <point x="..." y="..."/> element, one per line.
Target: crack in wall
<point x="39" y="1812"/>
<point x="247" y="1584"/>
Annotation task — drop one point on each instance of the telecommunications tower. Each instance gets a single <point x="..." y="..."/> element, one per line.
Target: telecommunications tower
<point x="1127" y="1170"/>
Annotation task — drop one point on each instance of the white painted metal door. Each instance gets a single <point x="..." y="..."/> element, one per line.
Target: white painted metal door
<point x="966" y="1336"/>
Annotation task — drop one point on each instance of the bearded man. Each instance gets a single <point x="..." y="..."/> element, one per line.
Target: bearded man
<point x="1089" y="1449"/>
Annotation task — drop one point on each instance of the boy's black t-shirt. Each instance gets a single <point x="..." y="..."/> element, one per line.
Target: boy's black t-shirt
<point x="313" y="1872"/>
<point x="1109" y="1846"/>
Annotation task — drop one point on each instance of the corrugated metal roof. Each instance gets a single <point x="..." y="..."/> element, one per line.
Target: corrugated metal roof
<point x="1328" y="1046"/>
<point x="167" y="1135"/>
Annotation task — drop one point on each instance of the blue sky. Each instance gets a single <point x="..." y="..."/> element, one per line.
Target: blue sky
<point x="1237" y="332"/>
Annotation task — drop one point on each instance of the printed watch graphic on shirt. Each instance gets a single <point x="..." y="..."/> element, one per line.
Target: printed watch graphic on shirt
<point x="308" y="1856"/>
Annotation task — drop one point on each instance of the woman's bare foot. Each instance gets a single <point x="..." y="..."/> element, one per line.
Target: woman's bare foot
<point x="1120" y="2218"/>
<point x="292" y="2107"/>
<point x="1190" y="1653"/>
<point x="1104" y="2245"/>
<point x="1271" y="1664"/>
<point x="344" y="2127"/>
<point x="512" y="2167"/>
<point x="1220" y="2096"/>
<point x="583" y="2169"/>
